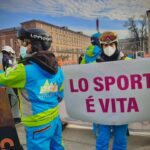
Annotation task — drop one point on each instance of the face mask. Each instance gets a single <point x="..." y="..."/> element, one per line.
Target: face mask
<point x="109" y="51"/>
<point x="23" y="51"/>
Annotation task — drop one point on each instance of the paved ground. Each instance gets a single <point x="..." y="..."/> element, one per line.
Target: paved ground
<point x="77" y="137"/>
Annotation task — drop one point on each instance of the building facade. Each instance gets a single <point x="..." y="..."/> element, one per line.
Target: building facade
<point x="66" y="43"/>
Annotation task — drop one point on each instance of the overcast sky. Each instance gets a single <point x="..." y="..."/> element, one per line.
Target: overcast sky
<point x="78" y="15"/>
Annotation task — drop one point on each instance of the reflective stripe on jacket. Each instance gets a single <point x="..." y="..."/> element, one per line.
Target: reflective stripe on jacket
<point x="41" y="118"/>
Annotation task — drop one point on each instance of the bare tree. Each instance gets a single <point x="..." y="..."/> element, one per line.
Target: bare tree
<point x="138" y="31"/>
<point x="143" y="31"/>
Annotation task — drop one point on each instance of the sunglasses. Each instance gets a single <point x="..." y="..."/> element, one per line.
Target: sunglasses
<point x="108" y="37"/>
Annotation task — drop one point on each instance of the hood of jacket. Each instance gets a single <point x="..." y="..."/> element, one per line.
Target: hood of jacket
<point x="46" y="60"/>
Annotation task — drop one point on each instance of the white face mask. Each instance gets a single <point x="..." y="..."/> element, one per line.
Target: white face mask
<point x="109" y="51"/>
<point x="23" y="51"/>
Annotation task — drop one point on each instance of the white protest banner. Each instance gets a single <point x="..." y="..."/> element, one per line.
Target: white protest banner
<point x="110" y="93"/>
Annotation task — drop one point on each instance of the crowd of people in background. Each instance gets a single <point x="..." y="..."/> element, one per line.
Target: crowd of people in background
<point x="43" y="125"/>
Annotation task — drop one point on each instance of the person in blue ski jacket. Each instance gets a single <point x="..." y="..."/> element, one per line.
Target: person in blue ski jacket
<point x="40" y="84"/>
<point x="110" y="52"/>
<point x="93" y="53"/>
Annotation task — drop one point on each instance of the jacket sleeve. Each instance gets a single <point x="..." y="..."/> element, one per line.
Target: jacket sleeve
<point x="61" y="86"/>
<point x="83" y="61"/>
<point x="14" y="77"/>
